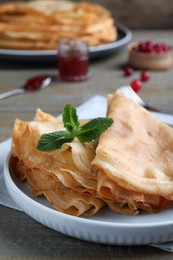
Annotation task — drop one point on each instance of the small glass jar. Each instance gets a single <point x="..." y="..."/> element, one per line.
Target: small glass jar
<point x="73" y="60"/>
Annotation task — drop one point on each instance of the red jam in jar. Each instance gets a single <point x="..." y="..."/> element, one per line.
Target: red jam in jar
<point x="73" y="60"/>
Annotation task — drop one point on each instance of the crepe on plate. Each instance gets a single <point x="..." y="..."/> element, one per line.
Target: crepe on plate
<point x="40" y="25"/>
<point x="63" y="176"/>
<point x="130" y="168"/>
<point x="134" y="158"/>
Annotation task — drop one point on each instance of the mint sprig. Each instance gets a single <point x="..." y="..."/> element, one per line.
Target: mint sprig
<point x="85" y="133"/>
<point x="70" y="118"/>
<point x="55" y="140"/>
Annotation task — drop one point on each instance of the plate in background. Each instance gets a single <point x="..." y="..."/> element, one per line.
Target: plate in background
<point x="124" y="36"/>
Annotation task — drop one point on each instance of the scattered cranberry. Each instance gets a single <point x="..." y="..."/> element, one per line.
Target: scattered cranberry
<point x="128" y="71"/>
<point x="136" y="85"/>
<point x="151" y="47"/>
<point x="145" y="75"/>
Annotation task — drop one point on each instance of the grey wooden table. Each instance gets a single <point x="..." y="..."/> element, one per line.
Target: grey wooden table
<point x="21" y="237"/>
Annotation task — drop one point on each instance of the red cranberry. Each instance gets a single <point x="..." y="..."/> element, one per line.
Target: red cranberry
<point x="145" y="75"/>
<point x="165" y="47"/>
<point x="136" y="85"/>
<point x="142" y="47"/>
<point x="151" y="47"/>
<point x="157" y="48"/>
<point x="128" y="71"/>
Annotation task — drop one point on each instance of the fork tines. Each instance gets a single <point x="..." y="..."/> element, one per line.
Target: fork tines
<point x="129" y="92"/>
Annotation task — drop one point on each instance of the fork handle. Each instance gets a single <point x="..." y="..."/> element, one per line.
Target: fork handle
<point x="153" y="109"/>
<point x="166" y="118"/>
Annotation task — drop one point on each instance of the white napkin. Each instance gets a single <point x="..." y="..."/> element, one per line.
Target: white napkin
<point x="94" y="107"/>
<point x="5" y="198"/>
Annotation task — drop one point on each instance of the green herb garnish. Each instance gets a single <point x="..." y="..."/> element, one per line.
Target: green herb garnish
<point x="85" y="133"/>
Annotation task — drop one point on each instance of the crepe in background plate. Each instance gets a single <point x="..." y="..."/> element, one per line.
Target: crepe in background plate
<point x="40" y="25"/>
<point x="64" y="176"/>
<point x="134" y="158"/>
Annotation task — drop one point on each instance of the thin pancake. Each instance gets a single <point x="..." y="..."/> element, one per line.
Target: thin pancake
<point x="42" y="24"/>
<point x="135" y="158"/>
<point x="65" y="175"/>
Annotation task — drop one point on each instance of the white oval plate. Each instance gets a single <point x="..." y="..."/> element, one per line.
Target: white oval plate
<point x="105" y="227"/>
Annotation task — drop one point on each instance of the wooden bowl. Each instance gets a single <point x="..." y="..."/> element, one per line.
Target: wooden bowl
<point x="149" y="61"/>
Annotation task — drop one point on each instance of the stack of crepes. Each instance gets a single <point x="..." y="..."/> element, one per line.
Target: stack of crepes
<point x="130" y="166"/>
<point x="40" y="25"/>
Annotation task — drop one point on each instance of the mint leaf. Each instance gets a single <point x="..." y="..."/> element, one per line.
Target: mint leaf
<point x="85" y="133"/>
<point x="70" y="118"/>
<point x="55" y="140"/>
<point x="93" y="129"/>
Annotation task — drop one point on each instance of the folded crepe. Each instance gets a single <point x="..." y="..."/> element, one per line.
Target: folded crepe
<point x="130" y="167"/>
<point x="64" y="176"/>
<point x="134" y="159"/>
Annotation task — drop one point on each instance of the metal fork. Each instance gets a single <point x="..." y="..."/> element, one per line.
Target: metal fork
<point x="129" y="92"/>
<point x="166" y="117"/>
